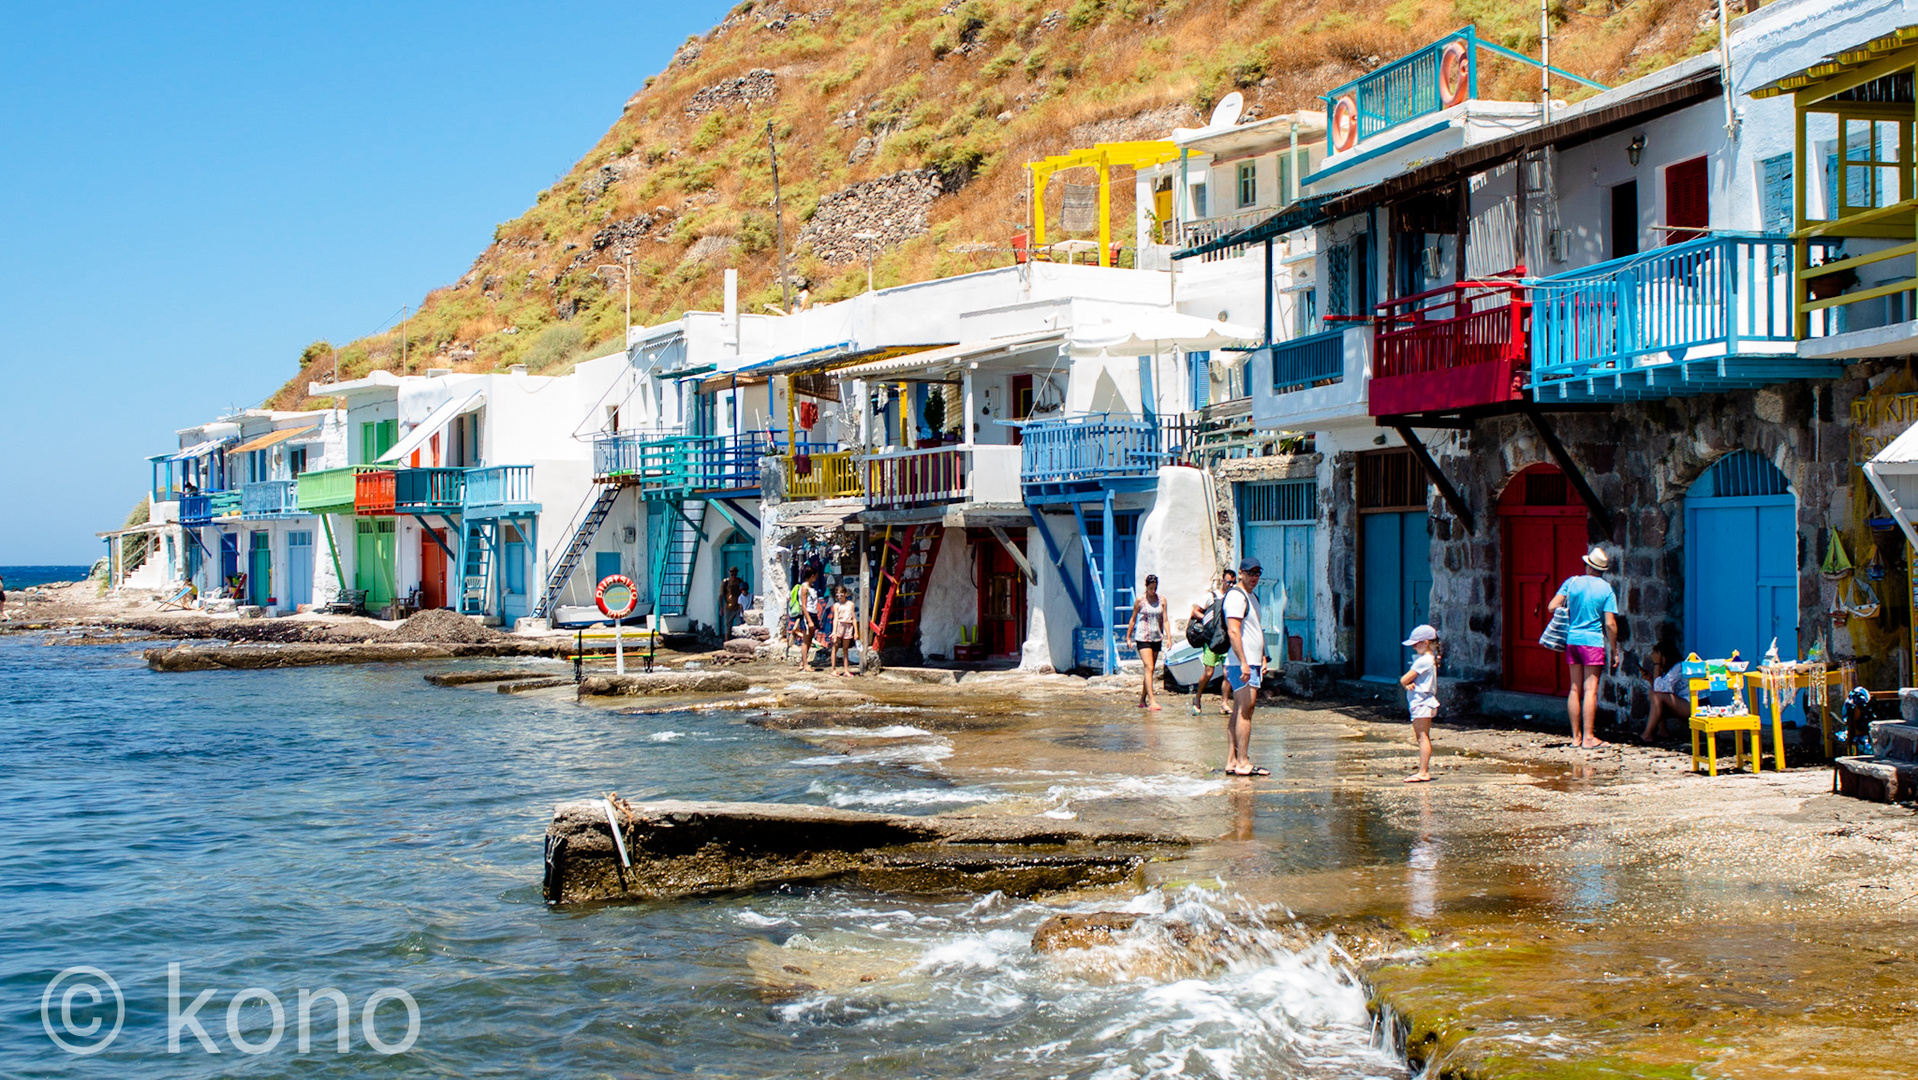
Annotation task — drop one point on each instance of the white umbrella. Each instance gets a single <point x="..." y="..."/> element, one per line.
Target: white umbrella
<point x="1159" y="331"/>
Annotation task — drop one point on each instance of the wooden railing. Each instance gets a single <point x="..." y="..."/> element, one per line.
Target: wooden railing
<point x="497" y="486"/>
<point x="1308" y="361"/>
<point x="939" y="474"/>
<point x="373" y="493"/>
<point x="821" y="471"/>
<point x="1450" y="348"/>
<point x="1088" y="448"/>
<point x="1407" y="88"/>
<point x="270" y="499"/>
<point x="731" y="462"/>
<point x="669" y="461"/>
<point x="328" y="490"/>
<point x="196" y="510"/>
<point x="421" y="491"/>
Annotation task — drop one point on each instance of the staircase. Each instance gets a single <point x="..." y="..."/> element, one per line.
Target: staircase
<point x="677" y="555"/>
<point x="576" y="550"/>
<point x="905" y="565"/>
<point x="476" y="577"/>
<point x="1890" y="773"/>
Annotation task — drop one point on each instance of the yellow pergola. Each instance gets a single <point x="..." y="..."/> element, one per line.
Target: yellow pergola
<point x="1103" y="157"/>
<point x="1869" y="90"/>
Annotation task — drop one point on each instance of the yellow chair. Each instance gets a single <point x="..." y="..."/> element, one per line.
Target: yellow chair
<point x="1737" y="725"/>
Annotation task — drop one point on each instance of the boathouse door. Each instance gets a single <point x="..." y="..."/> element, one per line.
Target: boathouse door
<point x="1542" y="537"/>
<point x="374" y="551"/>
<point x="432" y="569"/>
<point x="512" y="594"/>
<point x="1741" y="562"/>
<point x="1002" y="594"/>
<point x="734" y="551"/>
<point x="259" y="569"/>
<point x="1395" y="560"/>
<point x="1278" y="521"/>
<point x="299" y="568"/>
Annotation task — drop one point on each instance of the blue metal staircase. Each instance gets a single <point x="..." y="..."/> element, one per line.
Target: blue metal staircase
<point x="576" y="550"/>
<point x="675" y="536"/>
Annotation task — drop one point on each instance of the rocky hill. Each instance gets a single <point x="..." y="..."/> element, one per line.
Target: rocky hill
<point x="911" y="120"/>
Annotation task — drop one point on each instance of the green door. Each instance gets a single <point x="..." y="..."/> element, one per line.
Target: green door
<point x="376" y="438"/>
<point x="373" y="564"/>
<point x="259" y="571"/>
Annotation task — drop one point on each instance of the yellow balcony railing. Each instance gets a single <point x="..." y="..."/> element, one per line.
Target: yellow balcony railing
<point x="833" y="475"/>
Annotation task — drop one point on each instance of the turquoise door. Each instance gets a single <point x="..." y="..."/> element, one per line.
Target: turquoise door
<point x="1278" y="523"/>
<point x="1395" y="582"/>
<point x="1741" y="563"/>
<point x="734" y="551"/>
<point x="605" y="565"/>
<point x="259" y="570"/>
<point x="512" y="590"/>
<point x="299" y="569"/>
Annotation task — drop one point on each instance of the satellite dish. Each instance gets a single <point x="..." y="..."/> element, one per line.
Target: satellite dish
<point x="1226" y="112"/>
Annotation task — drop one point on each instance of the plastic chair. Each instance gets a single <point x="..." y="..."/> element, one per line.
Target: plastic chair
<point x="1738" y="725"/>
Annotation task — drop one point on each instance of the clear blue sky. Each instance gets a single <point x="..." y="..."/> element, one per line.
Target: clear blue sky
<point x="190" y="193"/>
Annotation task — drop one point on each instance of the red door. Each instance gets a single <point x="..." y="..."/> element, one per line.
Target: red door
<point x="432" y="570"/>
<point x="1687" y="201"/>
<point x="1002" y="595"/>
<point x="1542" y="529"/>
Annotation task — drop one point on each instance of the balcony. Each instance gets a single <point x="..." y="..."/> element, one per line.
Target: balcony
<point x="1435" y="78"/>
<point x="942" y="474"/>
<point x="196" y="510"/>
<point x="666" y="462"/>
<point x="429" y="491"/>
<point x="822" y="471"/>
<point x="328" y="491"/>
<point x="499" y="491"/>
<point x="1072" y="457"/>
<point x="731" y="462"/>
<point x="1451" y="349"/>
<point x="1317" y="382"/>
<point x="373" y="493"/>
<point x="266" y="499"/>
<point x="1702" y="316"/>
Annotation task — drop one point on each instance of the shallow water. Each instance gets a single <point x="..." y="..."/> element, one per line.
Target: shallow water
<point x="357" y="829"/>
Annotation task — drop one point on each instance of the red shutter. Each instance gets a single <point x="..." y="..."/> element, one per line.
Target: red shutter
<point x="1687" y="201"/>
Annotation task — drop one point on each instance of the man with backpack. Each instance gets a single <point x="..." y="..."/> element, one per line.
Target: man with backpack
<point x="1205" y="631"/>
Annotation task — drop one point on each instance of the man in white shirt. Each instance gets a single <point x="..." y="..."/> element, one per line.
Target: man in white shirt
<point x="1244" y="668"/>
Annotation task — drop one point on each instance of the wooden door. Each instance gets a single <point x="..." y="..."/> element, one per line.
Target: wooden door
<point x="1020" y="407"/>
<point x="432" y="569"/>
<point x="1542" y="534"/>
<point x="1687" y="200"/>
<point x="1396" y="563"/>
<point x="1002" y="596"/>
<point x="299" y="568"/>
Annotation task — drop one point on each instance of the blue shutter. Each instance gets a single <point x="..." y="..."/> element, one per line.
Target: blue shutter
<point x="1201" y="365"/>
<point x="1775" y="194"/>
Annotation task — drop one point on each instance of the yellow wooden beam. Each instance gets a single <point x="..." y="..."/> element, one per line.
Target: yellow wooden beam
<point x="1907" y="285"/>
<point x="1857" y="261"/>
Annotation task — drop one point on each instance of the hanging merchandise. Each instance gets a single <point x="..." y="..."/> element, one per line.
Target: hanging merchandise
<point x="1888" y="542"/>
<point x="1078" y="207"/>
<point x="1837" y="564"/>
<point x="808" y="415"/>
<point x="802" y="464"/>
<point x="1858" y="598"/>
<point x="1875" y="566"/>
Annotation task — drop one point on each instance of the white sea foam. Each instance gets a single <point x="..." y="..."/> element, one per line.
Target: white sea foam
<point x="906" y="753"/>
<point x="843" y="797"/>
<point x="665" y="736"/>
<point x="754" y="918"/>
<point x="890" y="731"/>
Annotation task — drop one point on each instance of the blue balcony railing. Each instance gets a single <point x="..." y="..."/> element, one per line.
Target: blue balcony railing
<point x="1709" y="314"/>
<point x="497" y="490"/>
<point x="674" y="462"/>
<point x="1308" y="361"/>
<point x="1087" y="452"/>
<point x="270" y="499"/>
<point x="195" y="510"/>
<point x="1437" y="77"/>
<point x="732" y="462"/>
<point x="428" y="491"/>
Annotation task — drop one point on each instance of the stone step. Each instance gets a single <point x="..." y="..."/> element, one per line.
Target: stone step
<point x="754" y="617"/>
<point x="1895" y="741"/>
<point x="753" y="633"/>
<point x="1875" y="780"/>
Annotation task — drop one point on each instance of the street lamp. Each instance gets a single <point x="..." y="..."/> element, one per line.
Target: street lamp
<point x="627" y="270"/>
<point x="870" y="238"/>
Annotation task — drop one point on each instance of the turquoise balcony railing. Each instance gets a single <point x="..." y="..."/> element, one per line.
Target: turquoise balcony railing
<point x="428" y="491"/>
<point x="1434" y="78"/>
<point x="1308" y="361"/>
<point x="270" y="499"/>
<point x="1709" y="314"/>
<point x="500" y="491"/>
<point x="673" y="462"/>
<point x="1087" y="453"/>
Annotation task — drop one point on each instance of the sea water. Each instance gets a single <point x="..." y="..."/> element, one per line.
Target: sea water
<point x="355" y="835"/>
<point x="26" y="577"/>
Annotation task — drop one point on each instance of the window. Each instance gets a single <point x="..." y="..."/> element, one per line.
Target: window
<point x="1198" y="201"/>
<point x="295" y="462"/>
<point x="1248" y="183"/>
<point x="1338" y="280"/>
<point x="1774" y="194"/>
<point x="376" y="438"/>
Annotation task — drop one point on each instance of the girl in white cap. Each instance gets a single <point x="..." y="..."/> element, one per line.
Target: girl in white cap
<point x="1420" y="685"/>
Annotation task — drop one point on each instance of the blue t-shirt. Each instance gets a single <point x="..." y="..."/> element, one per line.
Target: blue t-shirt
<point x="1588" y="599"/>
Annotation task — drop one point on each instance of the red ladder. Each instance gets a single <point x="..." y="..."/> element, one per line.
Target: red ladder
<point x="905" y="562"/>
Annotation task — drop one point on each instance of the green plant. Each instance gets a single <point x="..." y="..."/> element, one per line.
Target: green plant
<point x="710" y="132"/>
<point x="1084" y="13"/>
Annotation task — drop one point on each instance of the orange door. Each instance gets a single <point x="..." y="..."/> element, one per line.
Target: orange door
<point x="432" y="570"/>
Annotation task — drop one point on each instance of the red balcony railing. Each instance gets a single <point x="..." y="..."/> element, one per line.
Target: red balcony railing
<point x="1456" y="347"/>
<point x="373" y="493"/>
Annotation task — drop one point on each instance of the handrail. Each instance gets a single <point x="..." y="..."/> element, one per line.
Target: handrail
<point x="498" y="485"/>
<point x="269" y="498"/>
<point x="1308" y="361"/>
<point x="932" y="474"/>
<point x="1088" y="447"/>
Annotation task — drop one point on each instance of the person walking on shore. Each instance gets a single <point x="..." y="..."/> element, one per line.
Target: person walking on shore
<point x="1244" y="668"/>
<point x="1147" y="629"/>
<point x="3" y="598"/>
<point x="1591" y="635"/>
<point x="732" y="595"/>
<point x="1212" y="661"/>
<point x="844" y="621"/>
<point x="1421" y="698"/>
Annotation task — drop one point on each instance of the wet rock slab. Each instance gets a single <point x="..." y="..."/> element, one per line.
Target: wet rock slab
<point x="664" y="682"/>
<point x="680" y="849"/>
<point x="255" y="657"/>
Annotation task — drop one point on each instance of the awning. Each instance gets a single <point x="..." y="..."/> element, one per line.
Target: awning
<point x="197" y="450"/>
<point x="274" y="438"/>
<point x="1305" y="212"/>
<point x="1151" y="334"/>
<point x="431" y="426"/>
<point x="1893" y="474"/>
<point x="825" y="518"/>
<point x="1840" y="63"/>
<point x="952" y="354"/>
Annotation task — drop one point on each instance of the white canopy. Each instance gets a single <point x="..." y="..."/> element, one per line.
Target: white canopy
<point x="1151" y="334"/>
<point x="435" y="420"/>
<point x="1894" y="476"/>
<point x="198" y="450"/>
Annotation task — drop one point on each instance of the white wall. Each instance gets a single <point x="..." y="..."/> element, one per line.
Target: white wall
<point x="1176" y="542"/>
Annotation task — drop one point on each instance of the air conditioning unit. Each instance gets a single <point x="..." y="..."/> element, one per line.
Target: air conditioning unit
<point x="1558" y="244"/>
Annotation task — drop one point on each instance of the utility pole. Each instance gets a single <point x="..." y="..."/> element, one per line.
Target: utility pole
<point x="403" y="313"/>
<point x="779" y="222"/>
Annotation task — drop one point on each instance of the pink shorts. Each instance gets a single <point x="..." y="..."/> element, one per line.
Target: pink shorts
<point x="1589" y="655"/>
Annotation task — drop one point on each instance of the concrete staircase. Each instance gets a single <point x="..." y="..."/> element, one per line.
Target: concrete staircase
<point x="1890" y="774"/>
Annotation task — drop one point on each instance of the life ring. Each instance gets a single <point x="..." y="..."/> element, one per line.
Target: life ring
<point x="611" y="584"/>
<point x="1454" y="73"/>
<point x="1345" y="123"/>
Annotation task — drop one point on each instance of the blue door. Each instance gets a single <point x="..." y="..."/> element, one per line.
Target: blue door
<point x="1279" y="522"/>
<point x="605" y="565"/>
<point x="299" y="569"/>
<point x="512" y="586"/>
<point x="1741" y="563"/>
<point x="1395" y="580"/>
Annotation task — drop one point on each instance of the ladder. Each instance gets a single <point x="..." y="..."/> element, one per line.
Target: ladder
<point x="476" y="578"/>
<point x="679" y="539"/>
<point x="905" y="562"/>
<point x="576" y="550"/>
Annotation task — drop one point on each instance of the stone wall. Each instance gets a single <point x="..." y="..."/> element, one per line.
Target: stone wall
<point x="756" y="85"/>
<point x="893" y="208"/>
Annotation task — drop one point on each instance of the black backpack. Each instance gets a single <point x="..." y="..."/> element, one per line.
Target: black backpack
<point x="1208" y="630"/>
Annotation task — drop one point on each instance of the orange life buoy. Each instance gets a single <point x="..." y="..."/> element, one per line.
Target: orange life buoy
<point x="1345" y="123"/>
<point x="613" y="582"/>
<point x="1454" y="73"/>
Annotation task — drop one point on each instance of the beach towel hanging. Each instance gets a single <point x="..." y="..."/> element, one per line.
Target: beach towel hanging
<point x="1078" y="204"/>
<point x="1837" y="564"/>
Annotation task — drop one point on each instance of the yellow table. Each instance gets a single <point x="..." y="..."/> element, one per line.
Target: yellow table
<point x="1782" y="684"/>
<point x="1738" y="724"/>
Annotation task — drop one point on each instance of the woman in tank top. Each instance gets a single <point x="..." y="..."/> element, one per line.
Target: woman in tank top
<point x="1147" y="629"/>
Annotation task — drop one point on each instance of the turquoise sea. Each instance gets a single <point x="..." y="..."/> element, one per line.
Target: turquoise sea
<point x="25" y="577"/>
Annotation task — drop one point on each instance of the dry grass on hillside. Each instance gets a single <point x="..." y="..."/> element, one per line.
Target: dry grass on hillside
<point x="970" y="88"/>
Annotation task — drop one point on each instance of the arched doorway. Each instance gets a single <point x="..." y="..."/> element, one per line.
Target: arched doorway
<point x="1542" y="537"/>
<point x="1741" y="560"/>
